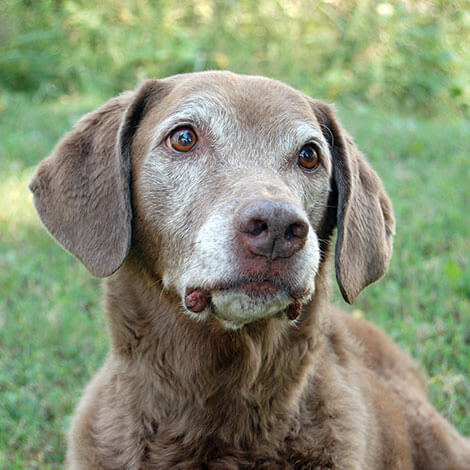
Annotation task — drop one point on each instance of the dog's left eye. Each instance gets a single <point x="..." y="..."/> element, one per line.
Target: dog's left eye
<point x="309" y="157"/>
<point x="183" y="139"/>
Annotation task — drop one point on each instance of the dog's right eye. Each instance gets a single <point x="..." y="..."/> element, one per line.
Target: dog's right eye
<point x="183" y="139"/>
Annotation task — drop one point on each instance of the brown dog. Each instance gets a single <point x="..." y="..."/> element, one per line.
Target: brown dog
<point x="209" y="201"/>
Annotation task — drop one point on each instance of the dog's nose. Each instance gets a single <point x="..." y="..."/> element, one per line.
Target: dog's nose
<point x="274" y="229"/>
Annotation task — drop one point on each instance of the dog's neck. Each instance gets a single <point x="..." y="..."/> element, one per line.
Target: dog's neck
<point x="199" y="366"/>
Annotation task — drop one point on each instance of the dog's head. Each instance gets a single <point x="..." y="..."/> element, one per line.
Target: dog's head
<point x="227" y="187"/>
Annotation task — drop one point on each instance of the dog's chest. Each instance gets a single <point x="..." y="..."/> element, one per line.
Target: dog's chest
<point x="211" y="454"/>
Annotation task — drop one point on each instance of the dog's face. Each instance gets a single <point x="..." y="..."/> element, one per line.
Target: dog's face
<point x="233" y="190"/>
<point x="226" y="186"/>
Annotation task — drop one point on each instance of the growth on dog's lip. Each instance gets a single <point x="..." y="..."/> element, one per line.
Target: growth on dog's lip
<point x="196" y="300"/>
<point x="294" y="310"/>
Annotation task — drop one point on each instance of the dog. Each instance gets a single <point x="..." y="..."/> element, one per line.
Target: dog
<point x="209" y="201"/>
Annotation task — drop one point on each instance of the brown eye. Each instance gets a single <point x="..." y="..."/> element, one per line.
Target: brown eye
<point x="308" y="157"/>
<point x="183" y="139"/>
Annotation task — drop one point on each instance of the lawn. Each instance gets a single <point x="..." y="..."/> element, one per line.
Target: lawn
<point x="52" y="328"/>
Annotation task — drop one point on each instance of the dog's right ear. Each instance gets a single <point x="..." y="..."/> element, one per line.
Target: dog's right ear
<point x="82" y="190"/>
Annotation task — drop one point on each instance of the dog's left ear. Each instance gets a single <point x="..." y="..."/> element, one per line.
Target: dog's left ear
<point x="82" y="190"/>
<point x="364" y="213"/>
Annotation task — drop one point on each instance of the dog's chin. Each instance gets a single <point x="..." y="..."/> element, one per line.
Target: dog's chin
<point x="236" y="308"/>
<point x="239" y="303"/>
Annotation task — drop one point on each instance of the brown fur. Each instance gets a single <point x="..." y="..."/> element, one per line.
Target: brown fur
<point x="324" y="392"/>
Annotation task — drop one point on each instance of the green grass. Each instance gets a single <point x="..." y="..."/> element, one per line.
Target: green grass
<point x="51" y="324"/>
<point x="52" y="328"/>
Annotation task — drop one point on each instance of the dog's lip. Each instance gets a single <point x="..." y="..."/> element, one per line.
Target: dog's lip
<point x="254" y="287"/>
<point x="199" y="299"/>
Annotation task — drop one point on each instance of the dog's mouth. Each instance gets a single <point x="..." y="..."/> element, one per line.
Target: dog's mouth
<point x="197" y="299"/>
<point x="251" y="288"/>
<point x="246" y="300"/>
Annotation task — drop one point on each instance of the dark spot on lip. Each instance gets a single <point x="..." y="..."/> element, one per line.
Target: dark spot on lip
<point x="294" y="309"/>
<point x="196" y="300"/>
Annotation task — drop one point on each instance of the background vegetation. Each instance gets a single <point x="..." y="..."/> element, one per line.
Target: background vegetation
<point x="409" y="52"/>
<point x="399" y="73"/>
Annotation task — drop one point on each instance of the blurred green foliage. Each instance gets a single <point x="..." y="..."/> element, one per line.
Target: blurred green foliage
<point x="410" y="54"/>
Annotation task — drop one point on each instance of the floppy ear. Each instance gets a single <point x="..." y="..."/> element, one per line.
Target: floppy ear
<point x="364" y="213"/>
<point x="82" y="190"/>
